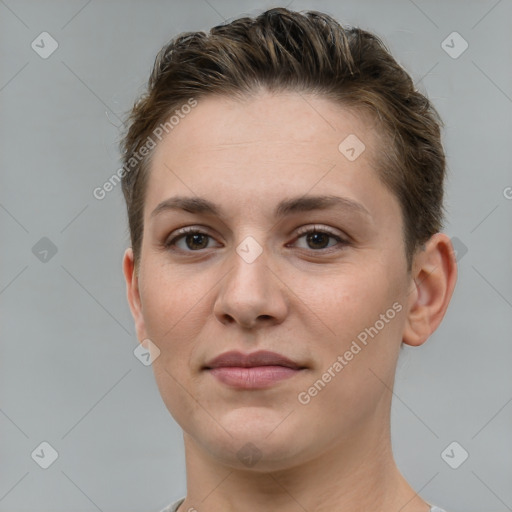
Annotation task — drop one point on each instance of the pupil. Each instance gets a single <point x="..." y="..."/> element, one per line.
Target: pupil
<point x="196" y="239"/>
<point x="316" y="238"/>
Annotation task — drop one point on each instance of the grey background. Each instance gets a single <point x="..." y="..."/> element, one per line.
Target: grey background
<point x="68" y="373"/>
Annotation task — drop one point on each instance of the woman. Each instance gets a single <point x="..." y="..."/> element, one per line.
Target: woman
<point x="284" y="188"/>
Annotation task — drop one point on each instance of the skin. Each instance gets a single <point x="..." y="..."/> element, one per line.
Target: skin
<point x="296" y="299"/>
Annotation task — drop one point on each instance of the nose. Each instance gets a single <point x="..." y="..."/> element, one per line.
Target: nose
<point x="251" y="295"/>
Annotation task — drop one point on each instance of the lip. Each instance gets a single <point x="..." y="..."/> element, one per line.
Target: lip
<point x="260" y="358"/>
<point x="252" y="371"/>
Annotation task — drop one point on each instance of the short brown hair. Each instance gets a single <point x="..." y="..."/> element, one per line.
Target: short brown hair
<point x="283" y="50"/>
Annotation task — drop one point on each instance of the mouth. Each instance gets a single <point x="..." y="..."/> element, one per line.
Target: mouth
<point x="252" y="371"/>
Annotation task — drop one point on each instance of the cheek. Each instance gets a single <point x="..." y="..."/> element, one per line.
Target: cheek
<point x="352" y="298"/>
<point x="364" y="312"/>
<point x="173" y="315"/>
<point x="366" y="316"/>
<point x="177" y="305"/>
<point x="168" y="297"/>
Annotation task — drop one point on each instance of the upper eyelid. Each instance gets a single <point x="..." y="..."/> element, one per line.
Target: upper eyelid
<point x="300" y="230"/>
<point x="318" y="227"/>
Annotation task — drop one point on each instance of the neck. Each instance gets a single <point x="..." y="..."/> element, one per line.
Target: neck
<point x="358" y="474"/>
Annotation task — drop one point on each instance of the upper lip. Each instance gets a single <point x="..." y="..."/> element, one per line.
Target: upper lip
<point x="260" y="358"/>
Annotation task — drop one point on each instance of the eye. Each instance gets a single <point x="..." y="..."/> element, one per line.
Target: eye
<point x="317" y="238"/>
<point x="191" y="239"/>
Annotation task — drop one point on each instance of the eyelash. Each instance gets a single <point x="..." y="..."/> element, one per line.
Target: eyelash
<point x="183" y="232"/>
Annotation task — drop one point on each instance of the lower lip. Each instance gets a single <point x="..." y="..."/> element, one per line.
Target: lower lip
<point x="252" y="378"/>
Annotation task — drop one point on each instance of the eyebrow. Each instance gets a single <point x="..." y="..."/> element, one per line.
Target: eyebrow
<point x="199" y="205"/>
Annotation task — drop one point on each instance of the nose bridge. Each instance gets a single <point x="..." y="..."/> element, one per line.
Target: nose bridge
<point x="250" y="290"/>
<point x="249" y="275"/>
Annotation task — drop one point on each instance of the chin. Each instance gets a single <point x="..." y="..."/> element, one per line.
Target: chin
<point x="257" y="423"/>
<point x="256" y="441"/>
<point x="260" y="456"/>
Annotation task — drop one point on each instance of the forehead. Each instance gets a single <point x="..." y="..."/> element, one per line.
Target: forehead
<point x="219" y="123"/>
<point x="265" y="148"/>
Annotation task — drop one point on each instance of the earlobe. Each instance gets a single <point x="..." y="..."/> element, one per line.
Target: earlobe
<point x="133" y="293"/>
<point x="433" y="281"/>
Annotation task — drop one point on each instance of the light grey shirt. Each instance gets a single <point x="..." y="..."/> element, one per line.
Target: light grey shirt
<point x="174" y="506"/>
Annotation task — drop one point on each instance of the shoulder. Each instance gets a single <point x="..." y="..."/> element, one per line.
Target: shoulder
<point x="174" y="506"/>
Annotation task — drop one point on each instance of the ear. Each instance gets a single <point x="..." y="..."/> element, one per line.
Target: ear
<point x="133" y="294"/>
<point x="434" y="274"/>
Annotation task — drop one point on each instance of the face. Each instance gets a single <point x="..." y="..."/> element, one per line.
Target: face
<point x="270" y="266"/>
